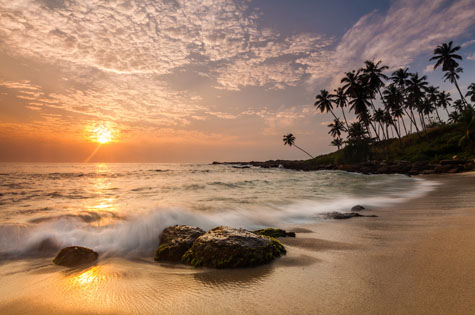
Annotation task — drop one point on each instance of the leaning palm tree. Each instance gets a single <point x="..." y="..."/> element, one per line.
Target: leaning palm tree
<point x="452" y="76"/>
<point x="340" y="99"/>
<point x="471" y="92"/>
<point x="444" y="101"/>
<point x="446" y="56"/>
<point x="324" y="102"/>
<point x="289" y="139"/>
<point x="432" y="98"/>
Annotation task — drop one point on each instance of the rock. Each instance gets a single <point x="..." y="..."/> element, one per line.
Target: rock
<point x="224" y="247"/>
<point x="342" y="216"/>
<point x="175" y="241"/>
<point x="357" y="208"/>
<point x="274" y="232"/>
<point x="75" y="256"/>
<point x="452" y="162"/>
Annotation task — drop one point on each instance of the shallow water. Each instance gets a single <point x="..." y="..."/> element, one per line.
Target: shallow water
<point x="120" y="209"/>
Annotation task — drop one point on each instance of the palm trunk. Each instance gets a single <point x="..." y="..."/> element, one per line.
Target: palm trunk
<point x="404" y="125"/>
<point x="303" y="150"/>
<point x="346" y="122"/>
<point x="448" y="115"/>
<point x="397" y="130"/>
<point x="414" y="119"/>
<point x="437" y="112"/>
<point x="336" y="118"/>
<point x="458" y="89"/>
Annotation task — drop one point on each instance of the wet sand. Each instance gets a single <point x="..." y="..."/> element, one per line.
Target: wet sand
<point x="415" y="258"/>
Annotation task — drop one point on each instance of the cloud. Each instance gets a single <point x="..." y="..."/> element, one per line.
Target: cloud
<point x="407" y="30"/>
<point x="471" y="57"/>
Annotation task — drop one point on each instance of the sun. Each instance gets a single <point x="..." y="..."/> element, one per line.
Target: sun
<point x="102" y="134"/>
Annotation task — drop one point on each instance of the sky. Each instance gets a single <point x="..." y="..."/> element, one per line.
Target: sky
<point x="200" y="81"/>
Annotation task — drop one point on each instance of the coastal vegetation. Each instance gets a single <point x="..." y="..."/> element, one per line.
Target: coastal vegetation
<point x="399" y="116"/>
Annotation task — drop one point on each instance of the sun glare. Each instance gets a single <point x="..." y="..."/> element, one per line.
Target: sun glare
<point x="102" y="134"/>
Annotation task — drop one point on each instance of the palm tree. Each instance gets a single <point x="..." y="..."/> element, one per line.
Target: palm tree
<point x="324" y="102"/>
<point x="356" y="131"/>
<point x="444" y="100"/>
<point x="340" y="99"/>
<point x="289" y="139"/>
<point x="351" y="83"/>
<point x="336" y="128"/>
<point x="401" y="79"/>
<point x="432" y="98"/>
<point x="471" y="92"/>
<point x="416" y="92"/>
<point x="394" y="101"/>
<point x="375" y="76"/>
<point x="338" y="142"/>
<point x="359" y="104"/>
<point x="378" y="117"/>
<point x="446" y="56"/>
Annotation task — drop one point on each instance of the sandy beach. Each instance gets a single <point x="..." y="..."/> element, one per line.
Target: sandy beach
<point x="414" y="258"/>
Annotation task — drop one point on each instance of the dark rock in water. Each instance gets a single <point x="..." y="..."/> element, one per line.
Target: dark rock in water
<point x="342" y="216"/>
<point x="357" y="208"/>
<point x="224" y="247"/>
<point x="175" y="241"/>
<point x="75" y="256"/>
<point x="274" y="232"/>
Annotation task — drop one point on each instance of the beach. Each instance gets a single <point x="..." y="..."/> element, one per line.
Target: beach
<point x="416" y="257"/>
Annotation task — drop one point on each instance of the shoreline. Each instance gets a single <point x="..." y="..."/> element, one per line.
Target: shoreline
<point x="414" y="258"/>
<point x="371" y="167"/>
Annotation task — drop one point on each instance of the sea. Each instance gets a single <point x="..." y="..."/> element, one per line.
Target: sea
<point x="120" y="209"/>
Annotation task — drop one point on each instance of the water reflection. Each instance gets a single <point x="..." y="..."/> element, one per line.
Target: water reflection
<point x="105" y="202"/>
<point x="87" y="279"/>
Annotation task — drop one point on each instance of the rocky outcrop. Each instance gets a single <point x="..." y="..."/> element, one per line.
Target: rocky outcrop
<point x="75" y="256"/>
<point x="372" y="167"/>
<point x="175" y="241"/>
<point x="343" y="216"/>
<point x="272" y="232"/>
<point x="225" y="247"/>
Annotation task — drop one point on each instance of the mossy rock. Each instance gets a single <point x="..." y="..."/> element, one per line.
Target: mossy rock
<point x="272" y="232"/>
<point x="175" y="241"/>
<point x="224" y="247"/>
<point x="75" y="256"/>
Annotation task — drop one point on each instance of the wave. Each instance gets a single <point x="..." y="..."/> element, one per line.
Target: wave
<point x="138" y="236"/>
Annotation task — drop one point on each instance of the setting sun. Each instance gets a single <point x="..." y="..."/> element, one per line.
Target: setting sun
<point x="102" y="133"/>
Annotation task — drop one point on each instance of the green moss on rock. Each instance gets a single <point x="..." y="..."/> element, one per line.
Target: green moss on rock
<point x="224" y="247"/>
<point x="272" y="232"/>
<point x="175" y="241"/>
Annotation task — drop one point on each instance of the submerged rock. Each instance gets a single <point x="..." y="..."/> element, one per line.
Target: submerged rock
<point x="75" y="256"/>
<point x="274" y="232"/>
<point x="225" y="247"/>
<point x="175" y="241"/>
<point x="357" y="208"/>
<point x="342" y="216"/>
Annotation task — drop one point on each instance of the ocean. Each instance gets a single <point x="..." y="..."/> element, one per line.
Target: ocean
<point x="120" y="209"/>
